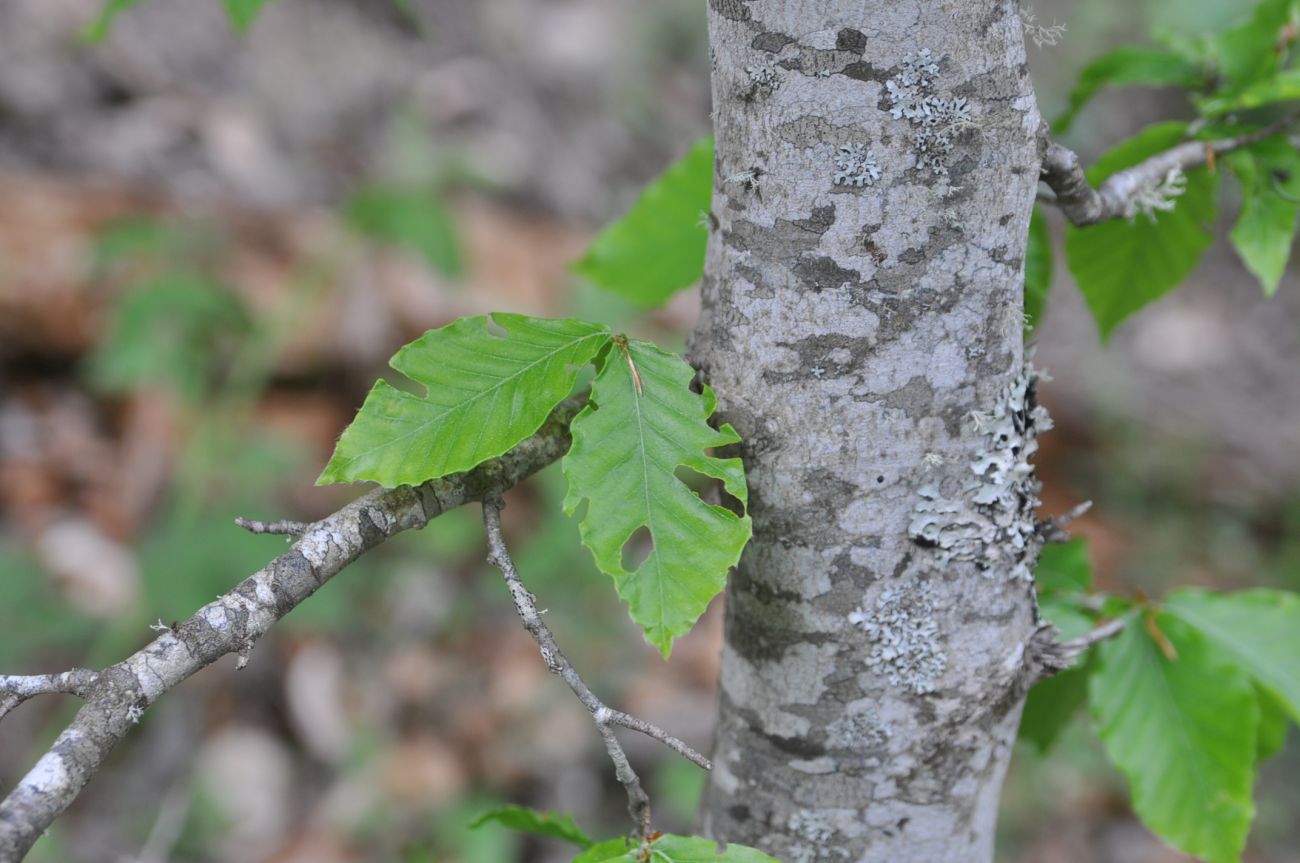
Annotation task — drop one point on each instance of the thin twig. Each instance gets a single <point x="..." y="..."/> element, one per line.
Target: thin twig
<point x="1075" y="647"/>
<point x="1053" y="530"/>
<point x="120" y="694"/>
<point x="1083" y="205"/>
<point x="279" y="528"/>
<point x="603" y="716"/>
<point x="1045" y="656"/>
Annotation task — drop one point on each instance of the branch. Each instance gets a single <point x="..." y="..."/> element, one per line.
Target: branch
<point x="118" y="696"/>
<point x="638" y="804"/>
<point x="1118" y="196"/>
<point x="14" y="690"/>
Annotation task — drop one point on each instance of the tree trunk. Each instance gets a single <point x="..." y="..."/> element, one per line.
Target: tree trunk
<point x="876" y="168"/>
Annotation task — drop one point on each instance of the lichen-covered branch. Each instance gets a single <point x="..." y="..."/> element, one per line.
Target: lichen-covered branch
<point x="118" y="696"/>
<point x="1122" y="194"/>
<point x="603" y="716"/>
<point x="15" y="689"/>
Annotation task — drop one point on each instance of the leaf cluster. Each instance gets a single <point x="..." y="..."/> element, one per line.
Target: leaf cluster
<point x="490" y="383"/>
<point x="1188" y="700"/>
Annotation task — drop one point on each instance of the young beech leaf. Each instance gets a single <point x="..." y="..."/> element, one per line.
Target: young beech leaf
<point x="1184" y="733"/>
<point x="485" y="393"/>
<point x="657" y="247"/>
<point x="1123" y="265"/>
<point x="627" y="446"/>
<point x="1258" y="630"/>
<point x="1269" y="172"/>
<point x="667" y="848"/>
<point x="525" y="820"/>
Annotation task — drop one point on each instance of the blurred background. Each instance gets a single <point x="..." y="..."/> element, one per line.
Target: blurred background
<point x="211" y="244"/>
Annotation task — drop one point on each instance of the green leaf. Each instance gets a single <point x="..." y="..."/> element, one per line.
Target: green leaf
<point x="1259" y="630"/>
<point x="1273" y="725"/>
<point x="1122" y="266"/>
<point x="1157" y="67"/>
<point x="1183" y="732"/>
<point x="485" y="393"/>
<point x="528" y="820"/>
<point x="171" y="330"/>
<point x="408" y="218"/>
<point x="1064" y="567"/>
<point x="657" y="247"/>
<point x="243" y="12"/>
<point x="1038" y="269"/>
<point x="1063" y="570"/>
<point x="1265" y="231"/>
<point x="627" y="448"/>
<point x="618" y="849"/>
<point x="1051" y="704"/>
<point x="668" y="848"/>
<point x="1284" y="87"/>
<point x="98" y="29"/>
<point x="1249" y="52"/>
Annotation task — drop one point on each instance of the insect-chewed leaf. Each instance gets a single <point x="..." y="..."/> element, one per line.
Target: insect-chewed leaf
<point x="626" y="449"/>
<point x="485" y="394"/>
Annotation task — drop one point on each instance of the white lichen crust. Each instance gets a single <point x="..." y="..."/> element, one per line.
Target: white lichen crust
<point x="934" y="119"/>
<point x="764" y="74"/>
<point x="855" y="165"/>
<point x="905" y="637"/>
<point x="992" y="522"/>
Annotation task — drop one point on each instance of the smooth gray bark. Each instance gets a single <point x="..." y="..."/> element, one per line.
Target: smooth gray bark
<point x="876" y="168"/>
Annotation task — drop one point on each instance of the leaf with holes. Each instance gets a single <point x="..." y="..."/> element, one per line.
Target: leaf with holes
<point x="1121" y="265"/>
<point x="1184" y="733"/>
<point x="485" y="393"/>
<point x="525" y="820"/>
<point x="667" y="848"/>
<point x="642" y="425"/>
<point x="657" y="247"/>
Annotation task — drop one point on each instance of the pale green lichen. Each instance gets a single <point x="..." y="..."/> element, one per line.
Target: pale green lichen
<point x="904" y="636"/>
<point x="935" y="120"/>
<point x="992" y="524"/>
